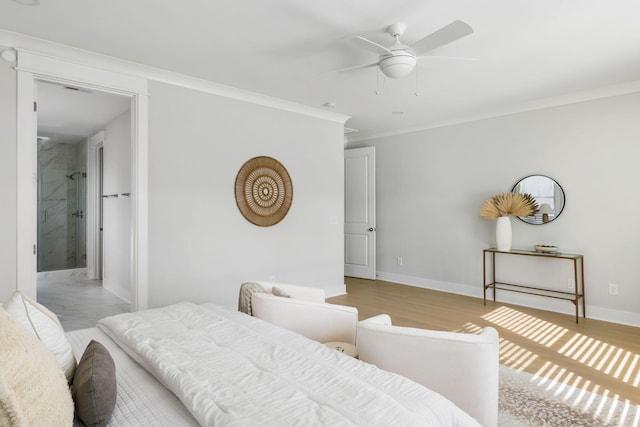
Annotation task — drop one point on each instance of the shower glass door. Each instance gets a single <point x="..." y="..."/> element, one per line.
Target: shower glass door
<point x="61" y="205"/>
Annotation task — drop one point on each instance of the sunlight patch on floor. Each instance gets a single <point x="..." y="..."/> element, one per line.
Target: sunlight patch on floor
<point x="469" y="328"/>
<point x="537" y="330"/>
<point x="511" y="355"/>
<point x="573" y="389"/>
<point x="584" y="395"/>
<point x="514" y="356"/>
<point x="617" y="362"/>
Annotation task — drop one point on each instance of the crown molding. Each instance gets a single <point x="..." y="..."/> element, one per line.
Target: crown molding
<point x="539" y="104"/>
<point x="46" y="48"/>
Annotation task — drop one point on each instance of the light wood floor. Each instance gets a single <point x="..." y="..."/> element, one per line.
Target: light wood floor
<point x="597" y="356"/>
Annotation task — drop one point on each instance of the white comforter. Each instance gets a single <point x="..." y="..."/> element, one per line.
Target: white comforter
<point x="231" y="369"/>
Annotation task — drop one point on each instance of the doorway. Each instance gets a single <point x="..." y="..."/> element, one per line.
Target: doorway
<point x="33" y="67"/>
<point x="68" y="119"/>
<point x="360" y="213"/>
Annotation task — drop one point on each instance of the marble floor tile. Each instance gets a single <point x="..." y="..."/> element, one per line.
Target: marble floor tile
<point x="78" y="302"/>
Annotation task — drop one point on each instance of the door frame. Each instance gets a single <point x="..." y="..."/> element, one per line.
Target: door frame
<point x="32" y="67"/>
<point x="94" y="199"/>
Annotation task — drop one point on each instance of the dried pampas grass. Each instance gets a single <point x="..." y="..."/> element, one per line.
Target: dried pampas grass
<point x="517" y="204"/>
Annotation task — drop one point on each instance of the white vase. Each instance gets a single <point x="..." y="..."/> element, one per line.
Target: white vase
<point x="503" y="233"/>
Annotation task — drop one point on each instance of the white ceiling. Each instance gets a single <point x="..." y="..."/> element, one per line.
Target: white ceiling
<point x="525" y="51"/>
<point x="68" y="114"/>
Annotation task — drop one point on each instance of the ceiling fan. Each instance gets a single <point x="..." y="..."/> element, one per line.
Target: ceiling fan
<point x="398" y="60"/>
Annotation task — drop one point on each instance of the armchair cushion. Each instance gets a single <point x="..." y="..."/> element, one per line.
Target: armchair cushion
<point x="306" y="293"/>
<point x="461" y="367"/>
<point x="311" y="317"/>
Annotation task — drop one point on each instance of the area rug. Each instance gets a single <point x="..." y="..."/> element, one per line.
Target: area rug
<point x="527" y="400"/>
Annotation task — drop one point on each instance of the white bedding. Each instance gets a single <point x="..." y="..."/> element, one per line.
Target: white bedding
<point x="141" y="400"/>
<point x="231" y="369"/>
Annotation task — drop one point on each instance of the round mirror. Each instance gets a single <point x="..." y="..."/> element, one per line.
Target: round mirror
<point x="548" y="194"/>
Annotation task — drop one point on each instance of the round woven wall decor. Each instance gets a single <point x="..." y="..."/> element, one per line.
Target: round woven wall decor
<point x="263" y="191"/>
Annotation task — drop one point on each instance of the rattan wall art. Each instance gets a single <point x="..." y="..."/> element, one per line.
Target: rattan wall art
<point x="264" y="191"/>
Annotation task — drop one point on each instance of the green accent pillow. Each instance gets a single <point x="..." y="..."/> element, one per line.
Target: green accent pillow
<point x="94" y="386"/>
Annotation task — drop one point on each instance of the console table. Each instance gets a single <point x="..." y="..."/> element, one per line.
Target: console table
<point x="574" y="296"/>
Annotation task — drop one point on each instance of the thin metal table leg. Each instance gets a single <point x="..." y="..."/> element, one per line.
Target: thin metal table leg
<point x="484" y="276"/>
<point x="584" y="302"/>
<point x="493" y="267"/>
<point x="575" y="287"/>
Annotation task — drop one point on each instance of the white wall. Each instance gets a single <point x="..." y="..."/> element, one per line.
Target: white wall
<point x="201" y="247"/>
<point x="430" y="185"/>
<point x="116" y="269"/>
<point x="7" y="180"/>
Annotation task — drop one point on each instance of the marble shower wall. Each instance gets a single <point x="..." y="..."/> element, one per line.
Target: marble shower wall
<point x="61" y="205"/>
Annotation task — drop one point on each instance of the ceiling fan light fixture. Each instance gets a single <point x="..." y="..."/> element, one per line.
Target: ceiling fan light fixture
<point x="397" y="66"/>
<point x="398" y="60"/>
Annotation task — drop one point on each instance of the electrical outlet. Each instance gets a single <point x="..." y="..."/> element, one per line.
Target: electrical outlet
<point x="570" y="284"/>
<point x="613" y="289"/>
<point x="400" y="261"/>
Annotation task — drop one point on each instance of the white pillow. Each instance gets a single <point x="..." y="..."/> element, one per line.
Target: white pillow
<point x="279" y="292"/>
<point x="33" y="389"/>
<point x="41" y="322"/>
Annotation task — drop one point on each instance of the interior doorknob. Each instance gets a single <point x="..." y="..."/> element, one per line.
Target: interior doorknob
<point x="371" y="228"/>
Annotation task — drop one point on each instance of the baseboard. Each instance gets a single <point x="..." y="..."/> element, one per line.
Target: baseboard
<point x="436" y="285"/>
<point x="119" y="292"/>
<point x="335" y="291"/>
<point x="62" y="274"/>
<point x="615" y="316"/>
<point x="593" y="312"/>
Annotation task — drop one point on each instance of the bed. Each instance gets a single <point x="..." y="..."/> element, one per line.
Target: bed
<point x="189" y="364"/>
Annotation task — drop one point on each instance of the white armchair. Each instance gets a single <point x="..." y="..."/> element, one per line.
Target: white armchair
<point x="461" y="367"/>
<point x="305" y="311"/>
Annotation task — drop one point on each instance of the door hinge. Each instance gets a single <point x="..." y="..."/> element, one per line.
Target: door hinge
<point x="35" y="106"/>
<point x="35" y="249"/>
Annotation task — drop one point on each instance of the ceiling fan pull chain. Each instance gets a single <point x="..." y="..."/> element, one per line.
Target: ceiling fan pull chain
<point x="416" y="93"/>
<point x="378" y="81"/>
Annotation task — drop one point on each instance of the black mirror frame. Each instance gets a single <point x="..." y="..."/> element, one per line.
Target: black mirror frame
<point x="564" y="200"/>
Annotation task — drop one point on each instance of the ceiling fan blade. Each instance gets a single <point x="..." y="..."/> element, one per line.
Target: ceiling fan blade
<point x="356" y="67"/>
<point x="447" y="34"/>
<point x="456" y="58"/>
<point x="371" y="45"/>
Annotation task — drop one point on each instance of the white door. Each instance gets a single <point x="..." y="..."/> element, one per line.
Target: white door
<point x="360" y="213"/>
